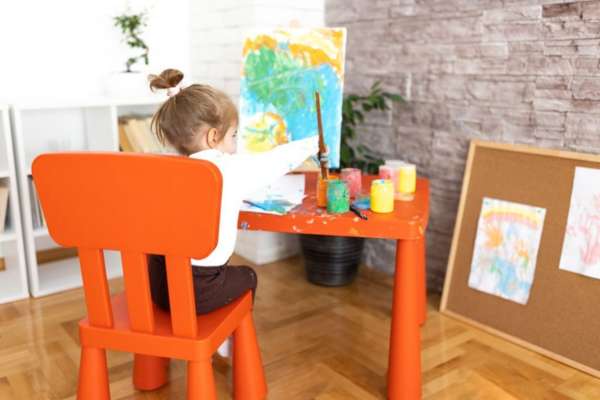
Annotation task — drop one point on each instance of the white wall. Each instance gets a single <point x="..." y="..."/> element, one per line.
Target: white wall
<point x="218" y="28"/>
<point x="65" y="48"/>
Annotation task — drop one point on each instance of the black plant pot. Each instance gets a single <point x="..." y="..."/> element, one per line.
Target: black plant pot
<point x="331" y="260"/>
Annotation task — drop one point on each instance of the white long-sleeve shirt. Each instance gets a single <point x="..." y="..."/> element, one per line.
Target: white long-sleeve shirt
<point x="244" y="174"/>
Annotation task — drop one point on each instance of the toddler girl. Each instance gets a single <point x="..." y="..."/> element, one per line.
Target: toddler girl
<point x="201" y="122"/>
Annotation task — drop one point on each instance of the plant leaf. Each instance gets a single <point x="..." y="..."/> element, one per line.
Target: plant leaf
<point x="354" y="109"/>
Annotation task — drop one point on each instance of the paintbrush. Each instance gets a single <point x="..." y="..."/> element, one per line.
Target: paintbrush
<point x="358" y="212"/>
<point x="322" y="148"/>
<point x="253" y="204"/>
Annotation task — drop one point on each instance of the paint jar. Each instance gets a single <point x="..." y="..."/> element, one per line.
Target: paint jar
<point x="395" y="165"/>
<point x="353" y="179"/>
<point x="321" y="192"/>
<point x="338" y="197"/>
<point x="406" y="182"/>
<point x="387" y="172"/>
<point x="390" y="172"/>
<point x="382" y="196"/>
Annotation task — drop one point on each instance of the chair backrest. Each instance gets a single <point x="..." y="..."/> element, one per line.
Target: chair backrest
<point x="136" y="204"/>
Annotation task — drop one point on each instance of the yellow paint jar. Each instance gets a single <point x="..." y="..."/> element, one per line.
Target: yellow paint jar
<point x="382" y="196"/>
<point x="407" y="182"/>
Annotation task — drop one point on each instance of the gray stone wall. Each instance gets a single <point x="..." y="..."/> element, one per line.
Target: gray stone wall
<point x="518" y="71"/>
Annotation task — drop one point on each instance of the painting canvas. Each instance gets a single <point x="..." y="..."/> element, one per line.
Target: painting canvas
<point x="506" y="248"/>
<point x="581" y="245"/>
<point x="281" y="70"/>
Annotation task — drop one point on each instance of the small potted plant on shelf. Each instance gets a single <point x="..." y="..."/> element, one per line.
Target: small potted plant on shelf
<point x="334" y="260"/>
<point x="131" y="82"/>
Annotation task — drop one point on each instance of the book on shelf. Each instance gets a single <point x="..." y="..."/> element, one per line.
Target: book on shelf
<point x="7" y="218"/>
<point x="37" y="218"/>
<point x="135" y="134"/>
<point x="43" y="219"/>
<point x="3" y="205"/>
<point x="124" y="142"/>
<point x="50" y="255"/>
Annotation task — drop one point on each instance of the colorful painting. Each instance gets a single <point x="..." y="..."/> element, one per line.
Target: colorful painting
<point x="506" y="248"/>
<point x="281" y="71"/>
<point x="581" y="246"/>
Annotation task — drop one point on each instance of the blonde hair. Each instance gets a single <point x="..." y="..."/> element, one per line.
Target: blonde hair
<point x="181" y="117"/>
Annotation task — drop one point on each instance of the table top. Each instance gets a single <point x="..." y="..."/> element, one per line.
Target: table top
<point x="408" y="221"/>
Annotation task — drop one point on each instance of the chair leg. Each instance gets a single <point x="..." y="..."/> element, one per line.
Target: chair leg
<point x="248" y="374"/>
<point x="200" y="381"/>
<point x="149" y="372"/>
<point x="93" y="375"/>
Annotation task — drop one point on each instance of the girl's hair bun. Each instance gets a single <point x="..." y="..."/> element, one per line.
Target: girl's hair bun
<point x="167" y="79"/>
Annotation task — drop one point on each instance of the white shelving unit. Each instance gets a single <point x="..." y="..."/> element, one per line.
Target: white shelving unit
<point x="13" y="278"/>
<point x="85" y="125"/>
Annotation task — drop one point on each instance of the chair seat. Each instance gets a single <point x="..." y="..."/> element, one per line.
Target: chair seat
<point x="213" y="329"/>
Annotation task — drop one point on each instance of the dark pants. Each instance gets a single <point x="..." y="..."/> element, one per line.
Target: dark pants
<point x="214" y="287"/>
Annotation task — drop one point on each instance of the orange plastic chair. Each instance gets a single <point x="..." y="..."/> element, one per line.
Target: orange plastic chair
<point x="139" y="205"/>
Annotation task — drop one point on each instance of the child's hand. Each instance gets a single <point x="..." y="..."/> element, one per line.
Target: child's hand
<point x="324" y="157"/>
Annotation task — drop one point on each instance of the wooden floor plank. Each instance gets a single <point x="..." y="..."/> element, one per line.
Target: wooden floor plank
<point x="317" y="343"/>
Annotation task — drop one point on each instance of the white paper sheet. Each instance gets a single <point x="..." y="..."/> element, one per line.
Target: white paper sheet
<point x="581" y="246"/>
<point x="506" y="248"/>
<point x="279" y="197"/>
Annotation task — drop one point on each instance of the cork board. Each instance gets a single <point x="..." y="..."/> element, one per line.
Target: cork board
<point x="561" y="318"/>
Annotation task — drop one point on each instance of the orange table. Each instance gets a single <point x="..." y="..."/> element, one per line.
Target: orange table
<point x="407" y="226"/>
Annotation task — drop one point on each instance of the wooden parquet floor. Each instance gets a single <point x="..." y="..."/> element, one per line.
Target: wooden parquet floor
<point x="317" y="343"/>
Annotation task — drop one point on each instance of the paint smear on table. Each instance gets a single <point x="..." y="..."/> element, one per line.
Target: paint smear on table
<point x="281" y="70"/>
<point x="506" y="248"/>
<point x="278" y="206"/>
<point x="581" y="245"/>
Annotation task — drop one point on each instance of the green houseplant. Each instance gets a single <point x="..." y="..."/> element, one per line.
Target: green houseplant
<point x="130" y="82"/>
<point x="334" y="260"/>
<point x="354" y="108"/>
<point x="132" y="26"/>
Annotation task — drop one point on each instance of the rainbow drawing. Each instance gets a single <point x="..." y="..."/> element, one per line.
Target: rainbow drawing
<point x="506" y="247"/>
<point x="281" y="70"/>
<point x="512" y="213"/>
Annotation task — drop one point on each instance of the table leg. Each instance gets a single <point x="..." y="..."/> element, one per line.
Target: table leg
<point x="404" y="370"/>
<point x="422" y="270"/>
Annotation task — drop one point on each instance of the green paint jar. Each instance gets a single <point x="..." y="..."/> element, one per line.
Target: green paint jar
<point x="338" y="197"/>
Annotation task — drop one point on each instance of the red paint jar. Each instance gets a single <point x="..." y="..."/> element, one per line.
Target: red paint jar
<point x="353" y="179"/>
